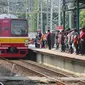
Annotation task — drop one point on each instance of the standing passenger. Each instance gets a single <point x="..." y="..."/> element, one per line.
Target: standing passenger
<point x="57" y="44"/>
<point x="62" y="41"/>
<point x="82" y="41"/>
<point x="44" y="40"/>
<point x="49" y="39"/>
<point x="53" y="39"/>
<point x="38" y="38"/>
<point x="76" y="41"/>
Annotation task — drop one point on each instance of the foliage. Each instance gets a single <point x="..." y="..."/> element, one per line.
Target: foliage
<point x="82" y="18"/>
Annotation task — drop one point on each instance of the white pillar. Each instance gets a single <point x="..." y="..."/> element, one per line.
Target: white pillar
<point x="70" y="19"/>
<point x="59" y="11"/>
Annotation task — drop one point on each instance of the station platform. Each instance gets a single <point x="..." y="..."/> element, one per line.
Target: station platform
<point x="55" y="58"/>
<point x="62" y="54"/>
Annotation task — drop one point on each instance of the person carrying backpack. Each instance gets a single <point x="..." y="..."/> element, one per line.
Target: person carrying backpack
<point x="76" y="41"/>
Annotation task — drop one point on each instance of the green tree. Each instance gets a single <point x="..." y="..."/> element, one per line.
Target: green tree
<point x="82" y="18"/>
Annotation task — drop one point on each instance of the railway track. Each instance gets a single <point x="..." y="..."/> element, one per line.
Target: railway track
<point x="19" y="64"/>
<point x="59" y="72"/>
<point x="44" y="71"/>
<point x="49" y="73"/>
<point x="40" y="71"/>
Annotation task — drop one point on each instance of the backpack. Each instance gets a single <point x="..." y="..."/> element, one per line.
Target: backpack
<point x="75" y="41"/>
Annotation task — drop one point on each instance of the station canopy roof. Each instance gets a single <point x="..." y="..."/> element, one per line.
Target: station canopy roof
<point x="81" y="1"/>
<point x="70" y="4"/>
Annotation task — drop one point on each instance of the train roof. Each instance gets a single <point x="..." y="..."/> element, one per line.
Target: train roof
<point x="9" y="16"/>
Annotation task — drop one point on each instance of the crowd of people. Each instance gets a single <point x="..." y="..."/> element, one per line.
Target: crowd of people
<point x="71" y="40"/>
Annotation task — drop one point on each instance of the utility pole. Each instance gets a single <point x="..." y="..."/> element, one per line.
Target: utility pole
<point x="51" y="15"/>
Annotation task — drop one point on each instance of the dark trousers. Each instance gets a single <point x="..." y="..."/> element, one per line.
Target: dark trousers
<point x="82" y="47"/>
<point x="37" y="45"/>
<point x="44" y="43"/>
<point x="71" y="50"/>
<point x="57" y="46"/>
<point x="77" y="48"/>
<point x="49" y="44"/>
<point x="63" y="47"/>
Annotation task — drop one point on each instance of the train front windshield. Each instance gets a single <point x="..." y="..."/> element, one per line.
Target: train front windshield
<point x="19" y="27"/>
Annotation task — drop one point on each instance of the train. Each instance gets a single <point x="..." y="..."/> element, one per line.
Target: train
<point x="13" y="36"/>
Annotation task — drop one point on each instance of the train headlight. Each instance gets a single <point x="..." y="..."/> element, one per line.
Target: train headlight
<point x="26" y="42"/>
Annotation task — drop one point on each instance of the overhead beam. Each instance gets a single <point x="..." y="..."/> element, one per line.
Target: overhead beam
<point x="69" y="1"/>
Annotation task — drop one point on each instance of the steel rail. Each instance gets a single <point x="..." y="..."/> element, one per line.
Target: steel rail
<point x="39" y="73"/>
<point x="36" y="72"/>
<point x="57" y="80"/>
<point x="42" y="67"/>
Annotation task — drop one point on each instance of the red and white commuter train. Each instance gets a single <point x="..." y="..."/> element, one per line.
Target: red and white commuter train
<point x="13" y="36"/>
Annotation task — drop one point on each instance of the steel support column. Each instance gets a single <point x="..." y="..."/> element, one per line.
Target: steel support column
<point x="77" y="24"/>
<point x="38" y="15"/>
<point x="41" y="18"/>
<point x="51" y="15"/>
<point x="47" y="15"/>
<point x="64" y="14"/>
<point x="8" y="7"/>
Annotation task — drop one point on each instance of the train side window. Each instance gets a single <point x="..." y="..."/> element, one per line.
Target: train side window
<point x="5" y="28"/>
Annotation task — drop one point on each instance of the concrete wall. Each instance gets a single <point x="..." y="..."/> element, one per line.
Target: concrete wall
<point x="61" y="62"/>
